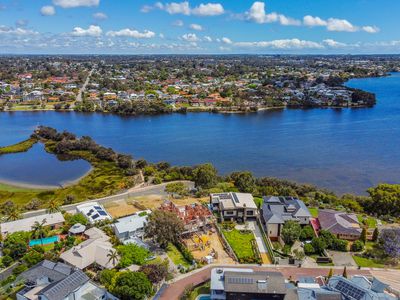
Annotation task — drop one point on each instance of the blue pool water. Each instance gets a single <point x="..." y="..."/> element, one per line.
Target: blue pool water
<point x="45" y="241"/>
<point x="204" y="297"/>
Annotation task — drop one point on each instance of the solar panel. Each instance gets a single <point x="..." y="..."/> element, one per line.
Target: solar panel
<point x="102" y="213"/>
<point x="240" y="280"/>
<point x="94" y="217"/>
<point x="97" y="207"/>
<point x="235" y="198"/>
<point x="349" y="290"/>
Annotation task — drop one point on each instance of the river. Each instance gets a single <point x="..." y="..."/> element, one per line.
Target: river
<point x="345" y="150"/>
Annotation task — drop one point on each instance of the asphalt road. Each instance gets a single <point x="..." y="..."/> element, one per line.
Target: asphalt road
<point x="134" y="192"/>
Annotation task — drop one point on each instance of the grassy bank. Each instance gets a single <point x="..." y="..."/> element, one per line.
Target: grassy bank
<point x="19" y="147"/>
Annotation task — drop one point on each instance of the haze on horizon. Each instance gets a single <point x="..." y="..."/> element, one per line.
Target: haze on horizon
<point x="199" y="27"/>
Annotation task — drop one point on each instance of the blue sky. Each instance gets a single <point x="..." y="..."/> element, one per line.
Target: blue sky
<point x="229" y="26"/>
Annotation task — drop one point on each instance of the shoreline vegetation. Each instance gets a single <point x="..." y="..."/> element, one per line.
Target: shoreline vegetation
<point x="23" y="146"/>
<point x="114" y="172"/>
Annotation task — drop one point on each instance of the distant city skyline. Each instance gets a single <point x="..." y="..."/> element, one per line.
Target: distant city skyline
<point x="199" y="27"/>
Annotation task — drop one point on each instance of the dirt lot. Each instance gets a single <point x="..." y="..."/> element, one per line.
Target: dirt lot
<point x="120" y="208"/>
<point x="155" y="201"/>
<point x="213" y="243"/>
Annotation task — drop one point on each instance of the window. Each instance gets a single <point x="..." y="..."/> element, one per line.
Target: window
<point x="250" y="212"/>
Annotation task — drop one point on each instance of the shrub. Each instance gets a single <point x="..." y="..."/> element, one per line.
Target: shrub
<point x="18" y="270"/>
<point x="309" y="249"/>
<point x="307" y="233"/>
<point x="7" y="260"/>
<point x="357" y="246"/>
<point x="319" y="245"/>
<point x="340" y="245"/>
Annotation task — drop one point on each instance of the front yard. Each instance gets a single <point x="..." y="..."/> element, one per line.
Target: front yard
<point x="242" y="244"/>
<point x="176" y="256"/>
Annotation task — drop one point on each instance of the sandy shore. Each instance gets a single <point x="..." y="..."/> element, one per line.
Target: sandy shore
<point x="27" y="185"/>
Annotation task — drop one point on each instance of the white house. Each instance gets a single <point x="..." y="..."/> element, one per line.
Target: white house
<point x="94" y="212"/>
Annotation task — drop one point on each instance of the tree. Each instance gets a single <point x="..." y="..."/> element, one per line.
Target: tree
<point x="178" y="188"/>
<point x="14" y="214"/>
<point x="307" y="233"/>
<point x="344" y="272"/>
<point x="132" y="254"/>
<point x="390" y="241"/>
<point x="309" y="249"/>
<point x="106" y="277"/>
<point x="319" y="245"/>
<point x="112" y="257"/>
<point x="38" y="230"/>
<point x="357" y="246"/>
<point x="165" y="227"/>
<point x="205" y="176"/>
<point x="15" y="244"/>
<point x="384" y="198"/>
<point x="375" y="235"/>
<point x="244" y="181"/>
<point x="290" y="232"/>
<point x="363" y="236"/>
<point x="131" y="286"/>
<point x="53" y="206"/>
<point x="155" y="272"/>
<point x="32" y="257"/>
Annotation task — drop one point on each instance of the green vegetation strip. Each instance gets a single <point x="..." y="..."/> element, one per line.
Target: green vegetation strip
<point x="176" y="256"/>
<point x="19" y="147"/>
<point x="367" y="262"/>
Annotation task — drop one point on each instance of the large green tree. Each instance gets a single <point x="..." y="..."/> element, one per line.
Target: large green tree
<point x="165" y="227"/>
<point x="291" y="232"/>
<point x="244" y="181"/>
<point x="385" y="199"/>
<point x="205" y="176"/>
<point x="132" y="286"/>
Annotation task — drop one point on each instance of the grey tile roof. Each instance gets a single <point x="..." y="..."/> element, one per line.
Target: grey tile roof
<point x="61" y="289"/>
<point x="338" y="222"/>
<point x="54" y="271"/>
<point x="278" y="210"/>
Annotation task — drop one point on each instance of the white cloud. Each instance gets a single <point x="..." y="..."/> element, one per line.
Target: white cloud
<point x="146" y="34"/>
<point x="285" y="44"/>
<point x="48" y="10"/>
<point x="93" y="30"/>
<point x="370" y="29"/>
<point x="334" y="24"/>
<point x="76" y="3"/>
<point x="333" y="44"/>
<point x="226" y="40"/>
<point x="209" y="9"/>
<point x="313" y="21"/>
<point x="161" y="35"/>
<point x="258" y="15"/>
<point x="178" y="23"/>
<point x="5" y="30"/>
<point x="190" y="37"/>
<point x="173" y="8"/>
<point x="100" y="16"/>
<point x="196" y="27"/>
<point x="208" y="38"/>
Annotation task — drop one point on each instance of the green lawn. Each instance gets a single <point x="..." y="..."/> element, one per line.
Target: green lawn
<point x="240" y="243"/>
<point x="200" y="290"/>
<point x="367" y="220"/>
<point x="367" y="262"/>
<point x="176" y="256"/>
<point x="313" y="211"/>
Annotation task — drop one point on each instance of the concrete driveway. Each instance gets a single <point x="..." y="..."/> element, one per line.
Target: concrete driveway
<point x="342" y="259"/>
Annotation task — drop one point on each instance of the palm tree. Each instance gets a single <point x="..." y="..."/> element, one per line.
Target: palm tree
<point x="53" y="206"/>
<point x="38" y="230"/>
<point x="112" y="256"/>
<point x="14" y="214"/>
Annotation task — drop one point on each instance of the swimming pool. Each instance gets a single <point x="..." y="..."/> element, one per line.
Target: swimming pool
<point x="44" y="241"/>
<point x="203" y="297"/>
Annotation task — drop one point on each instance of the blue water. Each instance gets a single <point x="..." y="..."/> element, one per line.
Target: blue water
<point x="204" y="298"/>
<point x="346" y="150"/>
<point x="37" y="167"/>
<point x="44" y="241"/>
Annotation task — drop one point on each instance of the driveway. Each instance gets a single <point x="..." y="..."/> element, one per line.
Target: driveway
<point x="342" y="259"/>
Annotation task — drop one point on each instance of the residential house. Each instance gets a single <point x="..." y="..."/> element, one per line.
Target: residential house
<point x="234" y="206"/>
<point x="95" y="249"/>
<point x="278" y="210"/>
<point x="359" y="288"/>
<point x="194" y="216"/>
<point x="344" y="225"/>
<point x="130" y="229"/>
<point x="247" y="284"/>
<point x="94" y="212"/>
<point x="56" y="281"/>
<point x="55" y="220"/>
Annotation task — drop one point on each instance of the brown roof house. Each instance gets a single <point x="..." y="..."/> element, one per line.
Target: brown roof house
<point x="343" y="225"/>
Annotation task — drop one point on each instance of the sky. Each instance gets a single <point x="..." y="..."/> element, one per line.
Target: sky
<point x="199" y="27"/>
